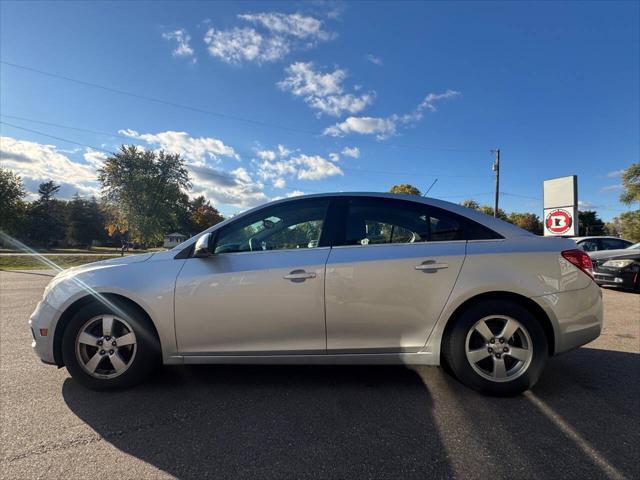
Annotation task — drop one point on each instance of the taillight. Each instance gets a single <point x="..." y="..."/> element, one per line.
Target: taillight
<point x="580" y="259"/>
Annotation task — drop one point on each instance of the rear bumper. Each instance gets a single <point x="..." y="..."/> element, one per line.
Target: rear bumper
<point x="42" y="319"/>
<point x="576" y="316"/>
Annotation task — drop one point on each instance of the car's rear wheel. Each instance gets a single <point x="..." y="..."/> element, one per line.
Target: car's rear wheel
<point x="496" y="347"/>
<point x="109" y="347"/>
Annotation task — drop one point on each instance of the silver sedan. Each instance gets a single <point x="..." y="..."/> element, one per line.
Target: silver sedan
<point x="345" y="278"/>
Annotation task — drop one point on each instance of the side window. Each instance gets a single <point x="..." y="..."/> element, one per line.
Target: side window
<point x="291" y="225"/>
<point x="589" y="245"/>
<point x="613" y="244"/>
<point x="373" y="221"/>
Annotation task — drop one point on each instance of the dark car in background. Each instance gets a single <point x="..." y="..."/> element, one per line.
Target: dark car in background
<point x="620" y="268"/>
<point x="595" y="244"/>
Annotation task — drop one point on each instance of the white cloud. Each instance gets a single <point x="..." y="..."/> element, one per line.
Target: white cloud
<point x="610" y="188"/>
<point x="294" y="25"/>
<point x="266" y="155"/>
<point x="195" y="150"/>
<point x="375" y="60"/>
<point x="235" y="188"/>
<point x="301" y="166"/>
<point x="615" y="173"/>
<point x="315" y="167"/>
<point x="334" y="157"/>
<point x="94" y="158"/>
<point x="353" y="152"/>
<point x="323" y="91"/>
<point x="182" y="39"/>
<point x="381" y="127"/>
<point x="385" y="127"/>
<point x="295" y="193"/>
<point x="39" y="163"/>
<point x="279" y="34"/>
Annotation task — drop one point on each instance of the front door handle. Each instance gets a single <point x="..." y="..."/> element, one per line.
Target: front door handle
<point x="431" y="265"/>
<point x="299" y="275"/>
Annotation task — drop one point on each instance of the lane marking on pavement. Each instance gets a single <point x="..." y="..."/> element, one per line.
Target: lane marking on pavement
<point x="581" y="442"/>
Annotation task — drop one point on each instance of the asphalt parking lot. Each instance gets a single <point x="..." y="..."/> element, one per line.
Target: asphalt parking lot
<point x="580" y="421"/>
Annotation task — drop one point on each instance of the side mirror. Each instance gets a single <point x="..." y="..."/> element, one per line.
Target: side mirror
<point x="202" y="246"/>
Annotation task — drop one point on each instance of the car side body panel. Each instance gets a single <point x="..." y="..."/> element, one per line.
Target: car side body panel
<point x="378" y="299"/>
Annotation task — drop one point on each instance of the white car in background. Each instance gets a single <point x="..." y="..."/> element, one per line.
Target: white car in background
<point x="596" y="244"/>
<point x="345" y="278"/>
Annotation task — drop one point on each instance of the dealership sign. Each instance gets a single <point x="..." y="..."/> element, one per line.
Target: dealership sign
<point x="561" y="206"/>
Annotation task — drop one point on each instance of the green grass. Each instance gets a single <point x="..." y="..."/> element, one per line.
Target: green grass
<point x="26" y="262"/>
<point x="94" y="250"/>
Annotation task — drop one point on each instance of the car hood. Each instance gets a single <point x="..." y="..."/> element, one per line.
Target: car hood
<point x="72" y="272"/>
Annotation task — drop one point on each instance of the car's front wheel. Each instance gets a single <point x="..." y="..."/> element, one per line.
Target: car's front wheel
<point x="496" y="347"/>
<point x="109" y="347"/>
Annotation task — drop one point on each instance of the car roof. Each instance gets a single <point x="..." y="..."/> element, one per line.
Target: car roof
<point x="579" y="239"/>
<point x="505" y="229"/>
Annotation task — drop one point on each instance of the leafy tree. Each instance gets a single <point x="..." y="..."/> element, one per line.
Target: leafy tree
<point x="85" y="221"/>
<point x="405" y="188"/>
<point x="46" y="217"/>
<point x="631" y="184"/>
<point x="12" y="205"/>
<point x="528" y="221"/>
<point x="144" y="186"/>
<point x="471" y="204"/>
<point x="589" y="224"/>
<point x="630" y="225"/>
<point x="202" y="215"/>
<point x="486" y="209"/>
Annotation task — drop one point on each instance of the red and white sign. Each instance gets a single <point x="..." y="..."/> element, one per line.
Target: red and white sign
<point x="559" y="221"/>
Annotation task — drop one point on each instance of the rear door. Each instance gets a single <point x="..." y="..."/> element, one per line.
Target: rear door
<point x="388" y="281"/>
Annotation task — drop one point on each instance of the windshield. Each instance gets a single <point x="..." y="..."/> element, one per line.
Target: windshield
<point x="635" y="246"/>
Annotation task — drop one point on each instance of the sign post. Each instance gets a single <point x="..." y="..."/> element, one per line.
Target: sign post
<point x="561" y="206"/>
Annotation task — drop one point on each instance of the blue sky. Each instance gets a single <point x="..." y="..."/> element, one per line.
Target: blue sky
<point x="293" y="97"/>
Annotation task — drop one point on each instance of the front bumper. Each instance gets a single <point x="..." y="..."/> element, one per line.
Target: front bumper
<point x="41" y="320"/>
<point x="615" y="277"/>
<point x="577" y="316"/>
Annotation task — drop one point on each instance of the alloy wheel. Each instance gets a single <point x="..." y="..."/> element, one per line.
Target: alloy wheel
<point x="106" y="346"/>
<point x="499" y="348"/>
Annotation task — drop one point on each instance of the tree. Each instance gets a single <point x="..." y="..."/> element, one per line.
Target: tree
<point x="405" y="188"/>
<point x="528" y="221"/>
<point x="471" y="204"/>
<point x="144" y="186"/>
<point x="202" y="215"/>
<point x="85" y="221"/>
<point x="630" y="225"/>
<point x="487" y="210"/>
<point x="631" y="184"/>
<point x="589" y="224"/>
<point x="46" y="217"/>
<point x="12" y="206"/>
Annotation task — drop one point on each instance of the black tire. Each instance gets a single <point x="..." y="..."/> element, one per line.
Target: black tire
<point x="454" y="343"/>
<point x="147" y="356"/>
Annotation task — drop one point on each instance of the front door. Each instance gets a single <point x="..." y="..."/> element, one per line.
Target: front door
<point x="388" y="283"/>
<point x="262" y="291"/>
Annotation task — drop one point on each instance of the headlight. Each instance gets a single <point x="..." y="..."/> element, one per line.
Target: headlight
<point x="618" y="263"/>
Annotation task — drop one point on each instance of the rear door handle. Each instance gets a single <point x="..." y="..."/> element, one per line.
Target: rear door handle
<point x="431" y="265"/>
<point x="299" y="275"/>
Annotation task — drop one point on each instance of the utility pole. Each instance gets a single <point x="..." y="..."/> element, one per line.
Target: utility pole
<point x="496" y="168"/>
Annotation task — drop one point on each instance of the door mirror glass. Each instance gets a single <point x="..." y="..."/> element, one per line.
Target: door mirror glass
<point x="202" y="246"/>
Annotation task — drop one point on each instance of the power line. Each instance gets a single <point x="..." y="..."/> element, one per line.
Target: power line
<point x="214" y="113"/>
<point x="247" y="153"/>
<point x="55" y="137"/>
